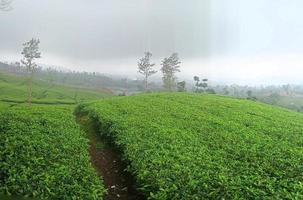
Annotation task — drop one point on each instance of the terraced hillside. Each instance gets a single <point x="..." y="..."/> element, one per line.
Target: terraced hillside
<point x="188" y="146"/>
<point x="14" y="89"/>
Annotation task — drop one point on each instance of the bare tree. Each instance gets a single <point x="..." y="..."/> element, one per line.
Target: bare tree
<point x="30" y="53"/>
<point x="146" y="68"/>
<point x="170" y="66"/>
<point x="5" y="5"/>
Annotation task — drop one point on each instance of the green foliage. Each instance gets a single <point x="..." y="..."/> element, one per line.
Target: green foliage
<point x="4" y="106"/>
<point x="170" y="66"/>
<point x="44" y="154"/>
<point x="146" y="68"/>
<point x="14" y="89"/>
<point x="202" y="86"/>
<point x="181" y="86"/>
<point x="191" y="146"/>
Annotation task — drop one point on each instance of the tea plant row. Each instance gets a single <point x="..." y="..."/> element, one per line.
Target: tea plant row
<point x="189" y="146"/>
<point x="44" y="154"/>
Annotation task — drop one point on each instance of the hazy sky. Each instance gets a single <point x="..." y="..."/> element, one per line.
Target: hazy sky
<point x="231" y="41"/>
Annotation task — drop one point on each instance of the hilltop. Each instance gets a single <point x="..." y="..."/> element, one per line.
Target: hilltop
<point x="13" y="88"/>
<point x="190" y="146"/>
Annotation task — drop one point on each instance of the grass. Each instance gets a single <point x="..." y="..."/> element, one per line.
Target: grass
<point x="14" y="89"/>
<point x="43" y="154"/>
<point x="188" y="146"/>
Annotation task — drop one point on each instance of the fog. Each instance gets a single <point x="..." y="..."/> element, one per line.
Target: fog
<point x="227" y="41"/>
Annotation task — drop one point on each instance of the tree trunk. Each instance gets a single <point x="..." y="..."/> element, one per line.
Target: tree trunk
<point x="170" y="85"/>
<point x="146" y="83"/>
<point x="30" y="80"/>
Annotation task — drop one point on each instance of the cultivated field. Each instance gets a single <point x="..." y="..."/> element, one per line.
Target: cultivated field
<point x="188" y="146"/>
<point x="44" y="154"/>
<point x="14" y="90"/>
<point x="174" y="146"/>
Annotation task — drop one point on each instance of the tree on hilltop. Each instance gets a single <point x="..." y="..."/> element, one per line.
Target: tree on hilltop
<point x="181" y="86"/>
<point x="200" y="86"/>
<point x="170" y="66"/>
<point x="146" y="68"/>
<point x="30" y="52"/>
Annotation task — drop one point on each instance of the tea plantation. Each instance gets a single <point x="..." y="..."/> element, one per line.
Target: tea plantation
<point x="43" y="154"/>
<point x="13" y="89"/>
<point x="188" y="146"/>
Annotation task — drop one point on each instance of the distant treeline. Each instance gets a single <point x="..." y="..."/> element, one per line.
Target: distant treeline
<point x="289" y="96"/>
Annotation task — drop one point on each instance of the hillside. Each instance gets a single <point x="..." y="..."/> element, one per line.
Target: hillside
<point x="117" y="84"/>
<point x="13" y="89"/>
<point x="44" y="155"/>
<point x="188" y="146"/>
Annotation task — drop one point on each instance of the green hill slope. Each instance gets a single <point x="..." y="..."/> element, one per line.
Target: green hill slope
<point x="14" y="89"/>
<point x="188" y="146"/>
<point x="44" y="154"/>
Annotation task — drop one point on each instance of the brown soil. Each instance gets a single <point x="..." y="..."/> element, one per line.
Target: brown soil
<point x="107" y="162"/>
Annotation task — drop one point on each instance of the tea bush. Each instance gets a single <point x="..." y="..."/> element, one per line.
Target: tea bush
<point x="191" y="146"/>
<point x="44" y="154"/>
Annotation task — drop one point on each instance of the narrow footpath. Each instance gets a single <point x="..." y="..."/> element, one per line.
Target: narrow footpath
<point x="107" y="162"/>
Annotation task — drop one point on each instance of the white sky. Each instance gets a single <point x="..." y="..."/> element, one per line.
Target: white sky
<point x="227" y="41"/>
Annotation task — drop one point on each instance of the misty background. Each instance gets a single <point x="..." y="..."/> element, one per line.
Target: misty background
<point x="227" y="41"/>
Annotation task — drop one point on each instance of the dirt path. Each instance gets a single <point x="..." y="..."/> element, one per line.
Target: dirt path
<point x="107" y="163"/>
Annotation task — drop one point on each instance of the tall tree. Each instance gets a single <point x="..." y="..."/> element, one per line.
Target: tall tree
<point x="204" y="84"/>
<point x="5" y="5"/>
<point x="197" y="85"/>
<point x="30" y="52"/>
<point x="170" y="66"/>
<point x="181" y="86"/>
<point x="146" y="68"/>
<point x="200" y="86"/>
